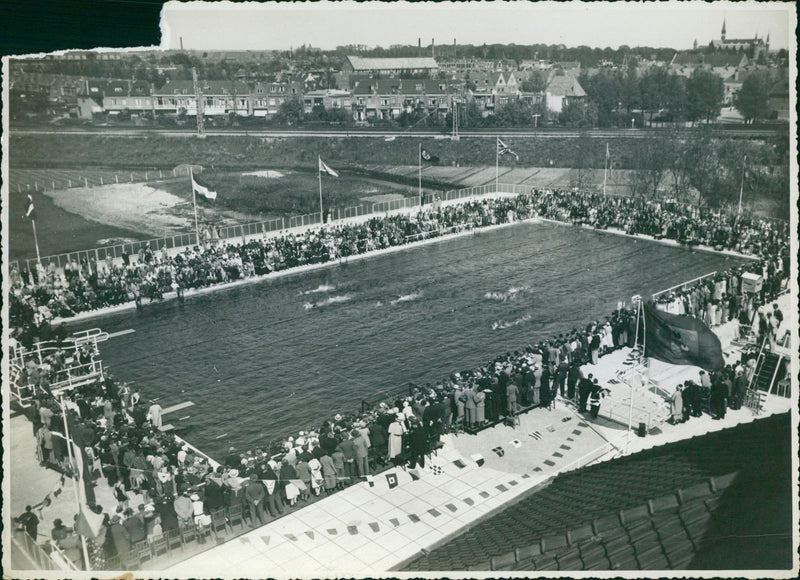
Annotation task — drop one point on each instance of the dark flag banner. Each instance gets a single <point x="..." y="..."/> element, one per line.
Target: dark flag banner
<point x="428" y="158"/>
<point x="680" y="340"/>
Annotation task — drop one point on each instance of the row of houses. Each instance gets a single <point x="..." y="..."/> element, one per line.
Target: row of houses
<point x="367" y="98"/>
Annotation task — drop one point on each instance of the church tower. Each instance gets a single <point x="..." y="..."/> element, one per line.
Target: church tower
<point x="723" y="30"/>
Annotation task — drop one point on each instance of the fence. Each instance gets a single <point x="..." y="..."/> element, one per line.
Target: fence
<point x="253" y="229"/>
<point x="26" y="180"/>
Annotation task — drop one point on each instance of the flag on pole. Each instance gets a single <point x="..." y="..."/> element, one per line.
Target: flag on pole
<point x="202" y="190"/>
<point x="30" y="212"/>
<point x="428" y="157"/>
<point x="680" y="339"/>
<point x="325" y="169"/>
<point x="502" y="149"/>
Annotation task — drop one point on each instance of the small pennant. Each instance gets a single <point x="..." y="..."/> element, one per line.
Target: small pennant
<point x="484" y="494"/>
<point x="413" y="517"/>
<point x="375" y="527"/>
<point x="395" y="522"/>
<point x="414" y="474"/>
<point x="310" y="534"/>
<point x="499" y="450"/>
<point x="332" y="531"/>
<point x="551" y="428"/>
<point x="460" y="464"/>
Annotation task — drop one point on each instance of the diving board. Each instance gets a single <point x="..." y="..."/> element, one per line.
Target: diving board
<point x="177" y="407"/>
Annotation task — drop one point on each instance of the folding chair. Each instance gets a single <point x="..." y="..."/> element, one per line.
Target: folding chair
<point x="160" y="545"/>
<point x="219" y="523"/>
<point x="141" y="553"/>
<point x="174" y="539"/>
<point x="203" y="532"/>
<point x="235" y="517"/>
<point x="188" y="534"/>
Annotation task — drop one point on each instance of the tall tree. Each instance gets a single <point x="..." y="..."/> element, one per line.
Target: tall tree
<point x="752" y="99"/>
<point x="704" y="93"/>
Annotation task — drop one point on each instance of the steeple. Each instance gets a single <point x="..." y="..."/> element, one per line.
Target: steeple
<point x="723" y="29"/>
<point x="694" y="47"/>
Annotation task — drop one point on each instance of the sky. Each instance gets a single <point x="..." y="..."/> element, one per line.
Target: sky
<point x="249" y="26"/>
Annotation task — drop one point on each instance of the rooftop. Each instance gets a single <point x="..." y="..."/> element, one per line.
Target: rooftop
<point x="360" y="63"/>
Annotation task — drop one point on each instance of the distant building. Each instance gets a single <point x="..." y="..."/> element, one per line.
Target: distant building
<point x="755" y="46"/>
<point x="562" y="87"/>
<point x="391" y="67"/>
<point x="219" y="98"/>
<point x="330" y="99"/>
<point x="385" y="99"/>
<point x="722" y="64"/>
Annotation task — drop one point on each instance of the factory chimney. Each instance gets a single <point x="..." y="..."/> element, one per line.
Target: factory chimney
<point x="433" y="49"/>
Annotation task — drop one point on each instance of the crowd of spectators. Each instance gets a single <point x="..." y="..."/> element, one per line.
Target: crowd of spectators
<point x="119" y="436"/>
<point x="42" y="294"/>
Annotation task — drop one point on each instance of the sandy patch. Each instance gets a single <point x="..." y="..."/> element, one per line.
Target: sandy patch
<point x="267" y="174"/>
<point x="134" y="206"/>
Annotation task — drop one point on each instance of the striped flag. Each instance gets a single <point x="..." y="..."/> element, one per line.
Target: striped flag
<point x="325" y="169"/>
<point x="502" y="149"/>
<point x="202" y="189"/>
<point x="30" y="211"/>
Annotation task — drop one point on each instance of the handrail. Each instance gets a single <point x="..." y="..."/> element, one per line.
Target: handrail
<point x="683" y="285"/>
<point x="94" y="367"/>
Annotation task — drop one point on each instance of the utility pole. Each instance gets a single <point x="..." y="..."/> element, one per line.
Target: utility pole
<point x="199" y="113"/>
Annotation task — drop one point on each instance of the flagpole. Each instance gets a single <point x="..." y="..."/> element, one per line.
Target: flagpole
<point x="319" y="176"/>
<point x="496" y="163"/>
<point x="605" y="171"/>
<point x="419" y="161"/>
<point x="741" y="188"/>
<point x="194" y="203"/>
<point x="36" y="242"/>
